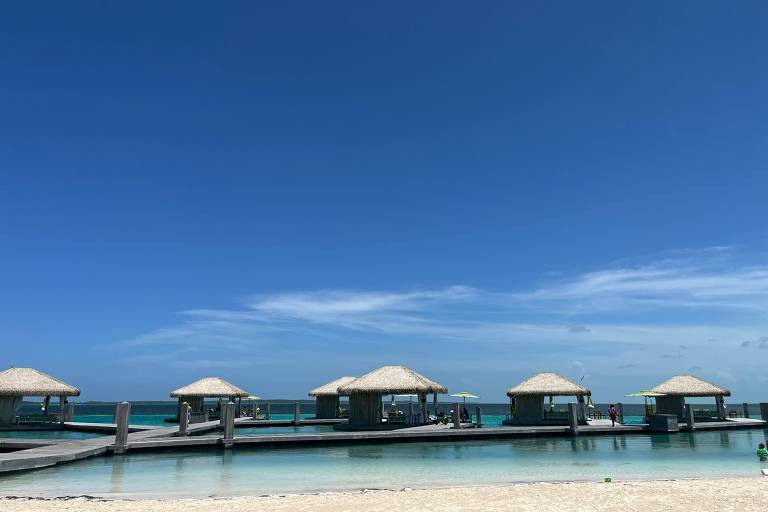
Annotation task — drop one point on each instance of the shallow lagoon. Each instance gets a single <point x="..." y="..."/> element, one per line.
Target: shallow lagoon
<point x="295" y="470"/>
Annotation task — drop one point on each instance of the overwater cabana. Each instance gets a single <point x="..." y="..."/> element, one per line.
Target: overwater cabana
<point x="673" y="392"/>
<point x="16" y="383"/>
<point x="327" y="398"/>
<point x="526" y="400"/>
<point x="209" y="387"/>
<point x="365" y="396"/>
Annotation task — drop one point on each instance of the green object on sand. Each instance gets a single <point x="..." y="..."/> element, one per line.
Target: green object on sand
<point x="607" y="480"/>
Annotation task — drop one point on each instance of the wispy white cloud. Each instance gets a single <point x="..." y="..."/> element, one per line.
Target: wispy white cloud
<point x="671" y="283"/>
<point x="328" y="306"/>
<point x="592" y="316"/>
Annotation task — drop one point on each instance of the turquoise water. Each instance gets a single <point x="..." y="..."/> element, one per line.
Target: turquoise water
<point x="296" y="470"/>
<point x="136" y="419"/>
<point x="46" y="434"/>
<point x="306" y="429"/>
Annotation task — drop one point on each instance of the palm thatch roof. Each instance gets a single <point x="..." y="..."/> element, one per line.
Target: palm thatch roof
<point x="31" y="382"/>
<point x="392" y="380"/>
<point x="689" y="385"/>
<point x="332" y="388"/>
<point x="552" y="384"/>
<point x="210" y="387"/>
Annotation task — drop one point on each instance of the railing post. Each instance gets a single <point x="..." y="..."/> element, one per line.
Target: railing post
<point x="297" y="414"/>
<point x="620" y="410"/>
<point x="228" y="414"/>
<point x="122" y="415"/>
<point x="184" y="412"/>
<point x="573" y="419"/>
<point x="410" y="413"/>
<point x="478" y="418"/>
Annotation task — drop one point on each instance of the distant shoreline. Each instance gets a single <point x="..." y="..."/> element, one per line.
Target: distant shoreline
<point x="744" y="494"/>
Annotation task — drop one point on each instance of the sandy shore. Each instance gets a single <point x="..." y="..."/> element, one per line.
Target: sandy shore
<point x="669" y="495"/>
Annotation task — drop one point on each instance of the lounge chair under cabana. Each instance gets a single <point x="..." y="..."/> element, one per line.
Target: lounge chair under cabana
<point x="210" y="387"/>
<point x="527" y="400"/>
<point x="16" y="383"/>
<point x="327" y="398"/>
<point x="672" y="393"/>
<point x="365" y="394"/>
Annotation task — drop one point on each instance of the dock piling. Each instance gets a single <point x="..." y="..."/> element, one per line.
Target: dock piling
<point x="269" y="411"/>
<point x="764" y="411"/>
<point x="228" y="413"/>
<point x="297" y="414"/>
<point x="746" y="409"/>
<point x="183" y="419"/>
<point x="478" y="418"/>
<point x="122" y="415"/>
<point x="620" y="410"/>
<point x="573" y="420"/>
<point x="690" y="417"/>
<point x="456" y="415"/>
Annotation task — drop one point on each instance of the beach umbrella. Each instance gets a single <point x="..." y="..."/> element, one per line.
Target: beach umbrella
<point x="646" y="393"/>
<point x="465" y="395"/>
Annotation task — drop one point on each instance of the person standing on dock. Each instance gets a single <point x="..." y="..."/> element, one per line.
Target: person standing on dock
<point x="613" y="413"/>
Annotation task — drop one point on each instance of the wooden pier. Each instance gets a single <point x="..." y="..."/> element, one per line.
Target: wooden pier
<point x="38" y="453"/>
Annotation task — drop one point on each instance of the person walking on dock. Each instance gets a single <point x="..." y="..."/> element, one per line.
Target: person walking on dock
<point x="613" y="413"/>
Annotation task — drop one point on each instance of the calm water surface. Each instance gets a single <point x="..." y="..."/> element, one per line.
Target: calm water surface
<point x="296" y="470"/>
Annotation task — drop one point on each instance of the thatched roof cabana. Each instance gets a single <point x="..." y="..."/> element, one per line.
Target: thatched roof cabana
<point x="16" y="383"/>
<point x="673" y="392"/>
<point x="332" y="388"/>
<point x="527" y="399"/>
<point x="393" y="380"/>
<point x="550" y="384"/>
<point x="32" y="382"/>
<point x="365" y="393"/>
<point x="689" y="385"/>
<point x="327" y="398"/>
<point x="210" y="387"/>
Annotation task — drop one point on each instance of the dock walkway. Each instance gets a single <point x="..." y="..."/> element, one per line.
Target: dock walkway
<point x="39" y="453"/>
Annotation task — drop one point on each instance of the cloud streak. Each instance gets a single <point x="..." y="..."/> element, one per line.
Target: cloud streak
<point x="591" y="312"/>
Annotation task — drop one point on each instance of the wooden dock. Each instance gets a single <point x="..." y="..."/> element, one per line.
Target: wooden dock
<point x="38" y="453"/>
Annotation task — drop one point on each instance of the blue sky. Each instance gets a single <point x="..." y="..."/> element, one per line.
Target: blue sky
<point x="281" y="195"/>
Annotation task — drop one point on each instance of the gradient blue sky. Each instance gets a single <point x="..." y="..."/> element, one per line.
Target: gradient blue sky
<point x="283" y="195"/>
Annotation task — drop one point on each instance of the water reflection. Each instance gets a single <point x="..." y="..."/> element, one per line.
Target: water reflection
<point x="117" y="475"/>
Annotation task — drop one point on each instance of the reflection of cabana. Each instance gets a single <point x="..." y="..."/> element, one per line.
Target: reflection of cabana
<point x="16" y="383"/>
<point x="210" y="387"/>
<point x="675" y="390"/>
<point x="527" y="400"/>
<point x="327" y="398"/>
<point x="365" y="394"/>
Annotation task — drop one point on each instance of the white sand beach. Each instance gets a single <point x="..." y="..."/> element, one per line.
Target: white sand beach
<point x="669" y="495"/>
